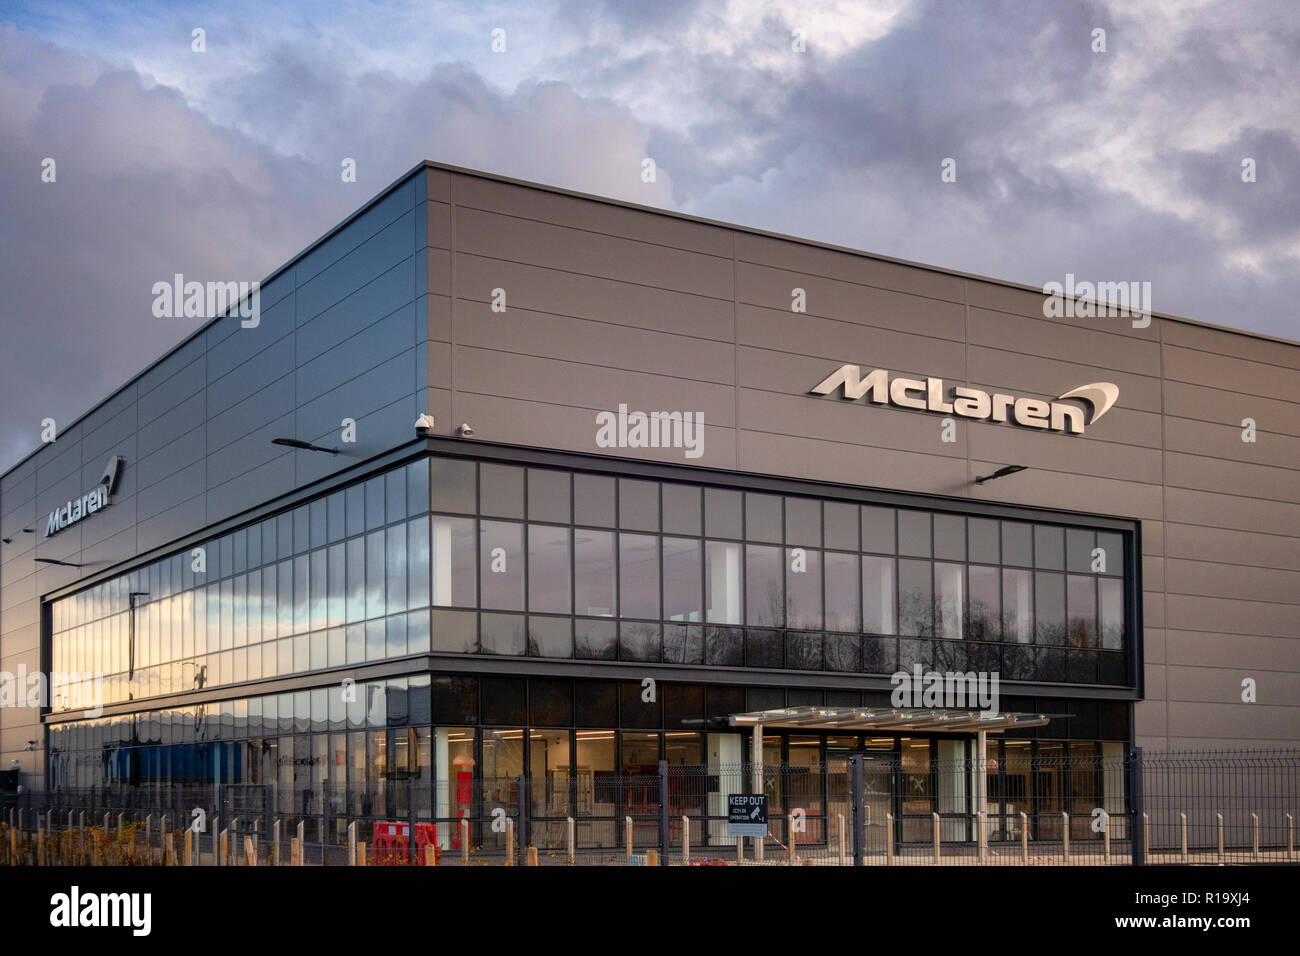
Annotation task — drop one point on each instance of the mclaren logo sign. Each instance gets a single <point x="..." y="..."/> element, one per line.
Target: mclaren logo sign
<point x="931" y="395"/>
<point x="97" y="498"/>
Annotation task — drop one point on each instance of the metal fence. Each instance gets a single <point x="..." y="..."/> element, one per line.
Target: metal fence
<point x="1132" y="808"/>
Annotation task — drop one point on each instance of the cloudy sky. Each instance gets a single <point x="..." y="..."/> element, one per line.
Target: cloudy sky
<point x="1122" y="165"/>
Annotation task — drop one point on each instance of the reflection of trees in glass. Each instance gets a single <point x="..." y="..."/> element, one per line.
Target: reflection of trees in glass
<point x="915" y="613"/>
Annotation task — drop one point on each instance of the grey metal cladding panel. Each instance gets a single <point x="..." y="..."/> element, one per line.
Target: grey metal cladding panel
<point x="865" y="270"/>
<point x="160" y="378"/>
<point x="437" y="217"/>
<point x="1231" y="477"/>
<point x="1062" y="339"/>
<point x="1248" y="650"/>
<point x="368" y="392"/>
<point x="799" y="457"/>
<point x="20" y="482"/>
<point x="173" y="391"/>
<point x="112" y="548"/>
<point x="590" y="215"/>
<point x="1232" y="511"/>
<point x="1087" y="494"/>
<point x="273" y="291"/>
<point x="437" y="278"/>
<point x="438" y="363"/>
<point x="851" y="302"/>
<point x="1232" y="617"/>
<point x="186" y="417"/>
<point x="574" y="250"/>
<point x="256" y="411"/>
<point x="1225" y="441"/>
<point x="276" y="322"/>
<point x="1222" y="342"/>
<point x="372" y="258"/>
<point x="536" y="424"/>
<point x="250" y="450"/>
<point x="378" y="431"/>
<point x="1226" y="372"/>
<point x="593" y="297"/>
<point x="1004" y="371"/>
<point x="1229" y="408"/>
<point x="252" y="376"/>
<point x="1274" y="585"/>
<point x="847" y="342"/>
<point x="394" y="206"/>
<point x="381" y="297"/>
<point x="171" y="491"/>
<point x="854" y="423"/>
<point x="177" y="521"/>
<point x="593" y="343"/>
<point x="1081" y="454"/>
<point x="436" y="310"/>
<point x="1230" y="546"/>
<point x="587" y="386"/>
<point x="61" y="459"/>
<point x="385" y="339"/>
<point x="255" y="486"/>
<point x="181" y="453"/>
<point x="58" y="493"/>
<point x="1000" y="298"/>
<point x="105" y="437"/>
<point x="117" y="518"/>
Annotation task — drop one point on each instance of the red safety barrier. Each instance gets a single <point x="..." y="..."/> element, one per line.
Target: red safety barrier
<point x="390" y="842"/>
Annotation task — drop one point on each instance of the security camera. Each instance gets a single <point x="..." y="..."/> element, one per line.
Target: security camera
<point x="424" y="425"/>
<point x="31" y="745"/>
<point x="465" y="431"/>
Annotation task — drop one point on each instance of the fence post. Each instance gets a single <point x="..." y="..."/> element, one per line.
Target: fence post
<point x="652" y="857"/>
<point x="430" y="855"/>
<point x="1146" y="837"/>
<point x="1182" y="840"/>
<point x="1024" y="838"/>
<point x="464" y="841"/>
<point x="510" y="842"/>
<point x="889" y="840"/>
<point x="1290" y="838"/>
<point x="295" y="852"/>
<point x="740" y="849"/>
<point x="934" y="825"/>
<point x="361" y="854"/>
<point x="302" y="843"/>
<point x="855" y="794"/>
<point x="663" y="808"/>
<point x="1105" y="838"/>
<point x="1254" y="836"/>
<point x="572" y="854"/>
<point x="1065" y="836"/>
<point x="531" y="859"/>
<point x="224" y="849"/>
<point x="627" y="830"/>
<point x="840" y="828"/>
<point x="1219" y="827"/>
<point x="250" y="852"/>
<point x="148" y="829"/>
<point x="1137" y="835"/>
<point x="523" y="815"/>
<point x="352" y="842"/>
<point x="40" y="843"/>
<point x="789" y="833"/>
<point x="189" y="847"/>
<point x="275" y="843"/>
<point x="121" y="823"/>
<point x="686" y="839"/>
<point x="107" y="817"/>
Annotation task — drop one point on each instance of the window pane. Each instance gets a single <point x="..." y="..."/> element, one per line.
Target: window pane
<point x="374" y="574"/>
<point x="548" y="569"/>
<point x="452" y="561"/>
<point x="1049" y="547"/>
<point x="395" y="566"/>
<point x="594" y="572"/>
<point x="878" y="529"/>
<point x="914" y="533"/>
<point x="1112" y="548"/>
<point x="764" y="587"/>
<point x="722" y="513"/>
<point x="394" y="500"/>
<point x="985" y="614"/>
<point x="593" y="500"/>
<point x="762" y="517"/>
<point x="722" y="582"/>
<point x="501" y="560"/>
<point x="1111" y="594"/>
<point x="983" y="540"/>
<point x="638" y="563"/>
<point x="1078" y="550"/>
<point x="683" y="578"/>
<point x="502" y="634"/>
<point x="950" y="537"/>
<point x="1049" y="608"/>
<point x="374" y="489"/>
<point x="949" y="600"/>
<point x="803" y="522"/>
<point x="803" y="588"/>
<point x="915" y="599"/>
<point x="1081" y="603"/>
<point x="548" y="495"/>
<point x="501" y="490"/>
<point x="1017" y="605"/>
<point x="451" y="486"/>
<point x="841" y="525"/>
<point x="417" y="592"/>
<point x="550" y="636"/>
<point x="638" y="504"/>
<point x="1017" y="544"/>
<point x="878" y="595"/>
<point x="842" y="591"/>
<point x="682" y="514"/>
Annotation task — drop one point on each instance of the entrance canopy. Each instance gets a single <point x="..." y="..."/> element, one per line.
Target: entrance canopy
<point x="809" y="717"/>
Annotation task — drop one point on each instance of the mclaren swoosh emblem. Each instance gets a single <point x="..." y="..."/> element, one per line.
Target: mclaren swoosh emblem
<point x="1100" y="395"/>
